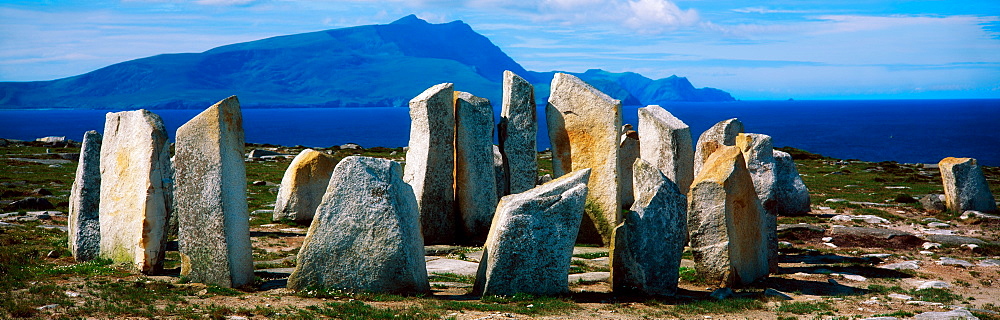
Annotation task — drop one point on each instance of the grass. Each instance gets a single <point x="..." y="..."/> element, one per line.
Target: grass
<point x="451" y="277"/>
<point x="720" y="306"/>
<point x="935" y="295"/>
<point x="342" y="294"/>
<point x="518" y="303"/>
<point x="805" y="307"/>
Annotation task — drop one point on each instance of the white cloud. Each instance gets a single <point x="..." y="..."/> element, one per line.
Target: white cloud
<point x="225" y="2"/>
<point x="765" y="10"/>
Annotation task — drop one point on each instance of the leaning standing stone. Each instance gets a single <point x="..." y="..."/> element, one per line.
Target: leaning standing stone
<point x="646" y="251"/>
<point x="628" y="151"/>
<point x="430" y="162"/>
<point x="517" y="133"/>
<point x="725" y="221"/>
<point x="85" y="201"/>
<point x="366" y="233"/>
<point x="666" y="144"/>
<point x="965" y="187"/>
<point x="584" y="126"/>
<point x="475" y="177"/>
<point x="303" y="185"/>
<point x="721" y="134"/>
<point x="210" y="198"/>
<point x="135" y="190"/>
<point x="531" y="240"/>
<point x="790" y="193"/>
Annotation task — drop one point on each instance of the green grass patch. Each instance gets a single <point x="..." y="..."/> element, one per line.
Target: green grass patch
<point x="897" y="314"/>
<point x="342" y="294"/>
<point x="360" y="310"/>
<point x="519" y="303"/>
<point x="805" y="307"/>
<point x="720" y="306"/>
<point x="935" y="295"/>
<point x="451" y="277"/>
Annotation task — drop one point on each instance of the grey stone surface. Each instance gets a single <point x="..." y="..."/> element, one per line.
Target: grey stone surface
<point x="758" y="152"/>
<point x="721" y="134"/>
<point x="647" y="246"/>
<point x="790" y="192"/>
<point x="946" y="261"/>
<point x="430" y="162"/>
<point x="530" y="244"/>
<point x="933" y="202"/>
<point x="667" y="145"/>
<point x="976" y="214"/>
<point x="210" y="198"/>
<point x="365" y="236"/>
<point x="589" y="276"/>
<point x="952" y="240"/>
<point x="475" y="176"/>
<point x="957" y="314"/>
<point x="965" y="186"/>
<point x="460" y="267"/>
<point x="904" y="265"/>
<point x="517" y="132"/>
<point x="628" y="151"/>
<point x="302" y="186"/>
<point x="136" y="190"/>
<point x="989" y="263"/>
<point x="500" y="172"/>
<point x="85" y="201"/>
<point x="800" y="227"/>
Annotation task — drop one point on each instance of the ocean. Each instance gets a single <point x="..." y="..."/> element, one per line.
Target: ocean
<point x="907" y="131"/>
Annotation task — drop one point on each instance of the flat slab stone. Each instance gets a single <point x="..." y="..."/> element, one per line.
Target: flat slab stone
<point x="953" y="239"/>
<point x="946" y="261"/>
<point x="445" y="265"/>
<point x="989" y="263"/>
<point x="589" y="276"/>
<point x="957" y="314"/>
<point x="905" y="265"/>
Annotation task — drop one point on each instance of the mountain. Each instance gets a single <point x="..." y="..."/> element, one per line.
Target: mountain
<point x="363" y="66"/>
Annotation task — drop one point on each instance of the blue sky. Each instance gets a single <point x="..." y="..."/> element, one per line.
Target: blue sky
<point x="849" y="49"/>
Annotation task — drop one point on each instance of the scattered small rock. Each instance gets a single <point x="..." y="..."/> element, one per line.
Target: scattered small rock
<point x="776" y="294"/>
<point x="931" y="245"/>
<point x="926" y="304"/>
<point x="953" y="240"/>
<point x="957" y="314"/>
<point x="938" y="225"/>
<point x="48" y="306"/>
<point x="42" y="192"/>
<point x="900" y="296"/>
<point x="934" y="284"/>
<point x="925" y="252"/>
<point x="989" y="263"/>
<point x="877" y="255"/>
<point x="722" y="293"/>
<point x="32" y="203"/>
<point x="945" y="261"/>
<point x="905" y="265"/>
<point x="977" y="214"/>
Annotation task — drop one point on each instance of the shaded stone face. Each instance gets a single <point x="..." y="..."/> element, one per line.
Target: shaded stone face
<point x="303" y="185"/>
<point x="84" y="202"/>
<point x="136" y="186"/>
<point x="430" y="162"/>
<point x="210" y="199"/>
<point x="518" y="130"/>
<point x="790" y="192"/>
<point x="758" y="151"/>
<point x="530" y="244"/>
<point x="721" y="134"/>
<point x="366" y="233"/>
<point x="475" y="177"/>
<point x="584" y="125"/>
<point x="667" y="145"/>
<point x="628" y="151"/>
<point x="965" y="186"/>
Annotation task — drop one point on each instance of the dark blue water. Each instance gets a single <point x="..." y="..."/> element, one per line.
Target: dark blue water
<point x="922" y="131"/>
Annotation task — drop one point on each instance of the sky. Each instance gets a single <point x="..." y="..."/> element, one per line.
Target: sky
<point x="756" y="50"/>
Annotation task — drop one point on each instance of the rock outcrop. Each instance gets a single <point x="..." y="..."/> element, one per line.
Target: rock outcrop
<point x="518" y="129"/>
<point x="475" y="177"/>
<point x="303" y="186"/>
<point x="430" y="162"/>
<point x="85" y="201"/>
<point x="721" y="134"/>
<point x="666" y="144"/>
<point x="965" y="187"/>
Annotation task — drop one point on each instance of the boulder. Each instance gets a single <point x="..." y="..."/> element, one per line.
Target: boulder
<point x="31" y="204"/>
<point x="136" y="190"/>
<point x="667" y="145"/>
<point x="965" y="186"/>
<point x="727" y="225"/>
<point x="517" y="132"/>
<point x="530" y="244"/>
<point x="647" y="246"/>
<point x="303" y="185"/>
<point x="721" y="134"/>
<point x="584" y="125"/>
<point x="475" y="176"/>
<point x="791" y="197"/>
<point x="628" y="151"/>
<point x="430" y="162"/>
<point x="85" y="201"/>
<point x="210" y="197"/>
<point x="365" y="236"/>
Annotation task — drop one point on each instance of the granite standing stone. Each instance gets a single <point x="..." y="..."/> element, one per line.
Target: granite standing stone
<point x="85" y="201"/>
<point x="584" y="125"/>
<point x="531" y="240"/>
<point x="430" y="162"/>
<point x="965" y="187"/>
<point x="366" y="233"/>
<point x="790" y="192"/>
<point x="500" y="172"/>
<point x="475" y="177"/>
<point x="721" y="134"/>
<point x="725" y="221"/>
<point x="303" y="185"/>
<point x="136" y="188"/>
<point x="628" y="151"/>
<point x="210" y="202"/>
<point x="758" y="151"/>
<point x="518" y="129"/>
<point x="646" y="251"/>
<point x="666" y="144"/>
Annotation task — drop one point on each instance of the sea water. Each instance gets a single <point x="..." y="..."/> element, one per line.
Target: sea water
<point x="909" y="131"/>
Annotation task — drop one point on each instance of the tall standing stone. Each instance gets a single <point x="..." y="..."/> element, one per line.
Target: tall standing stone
<point x="430" y="162"/>
<point x="721" y="134"/>
<point x="303" y="185"/>
<point x="210" y="199"/>
<point x="366" y="233"/>
<point x="135" y="190"/>
<point x="725" y="220"/>
<point x="531" y="240"/>
<point x="499" y="172"/>
<point x="85" y="201"/>
<point x="790" y="192"/>
<point x="647" y="247"/>
<point x="758" y="151"/>
<point x="584" y="127"/>
<point x="518" y="130"/>
<point x="666" y="144"/>
<point x="475" y="178"/>
<point x="965" y="187"/>
<point x="628" y="151"/>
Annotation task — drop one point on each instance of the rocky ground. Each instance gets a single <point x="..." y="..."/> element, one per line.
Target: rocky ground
<point x="867" y="249"/>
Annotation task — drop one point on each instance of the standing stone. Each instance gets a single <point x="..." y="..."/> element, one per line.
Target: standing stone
<point x="303" y="185"/>
<point x="790" y="193"/>
<point x="499" y="172"/>
<point x="725" y="220"/>
<point x="628" y="151"/>
<point x="666" y="144"/>
<point x="210" y="202"/>
<point x="965" y="187"/>
<point x="721" y="134"/>
<point x="85" y="201"/>
<point x="584" y="125"/>
<point x="366" y="233"/>
<point x="646" y="251"/>
<point x="135" y="190"/>
<point x="475" y="177"/>
<point x="518" y="130"/>
<point x="430" y="162"/>
<point x="531" y="240"/>
<point x="758" y="151"/>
